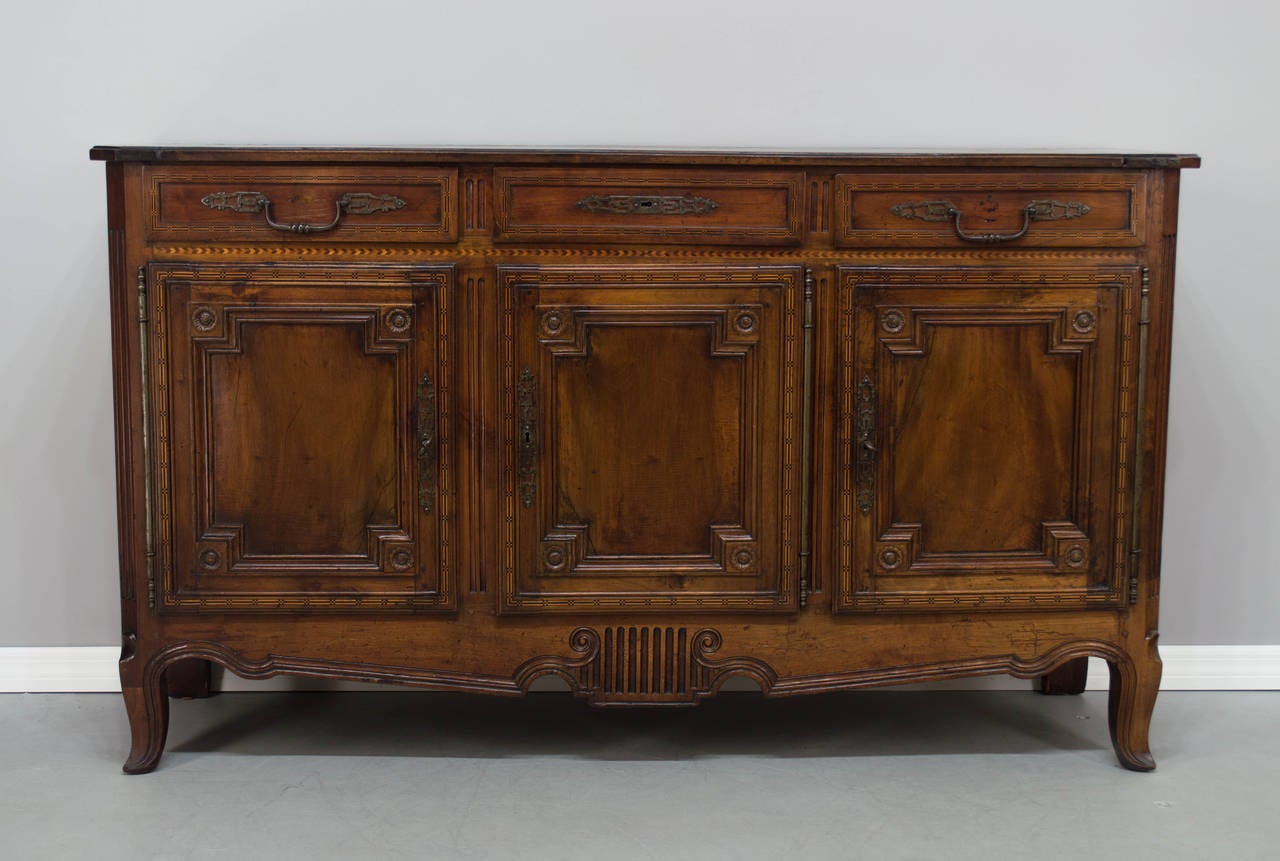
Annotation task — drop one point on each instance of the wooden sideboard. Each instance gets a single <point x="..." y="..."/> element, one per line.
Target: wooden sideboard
<point x="644" y="421"/>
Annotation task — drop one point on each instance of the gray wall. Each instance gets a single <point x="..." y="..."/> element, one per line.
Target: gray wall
<point x="1180" y="76"/>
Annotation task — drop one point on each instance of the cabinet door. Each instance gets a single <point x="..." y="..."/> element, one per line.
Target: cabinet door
<point x="651" y="438"/>
<point x="986" y="422"/>
<point x="302" y="429"/>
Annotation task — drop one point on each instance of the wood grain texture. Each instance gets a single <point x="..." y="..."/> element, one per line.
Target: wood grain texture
<point x="509" y="436"/>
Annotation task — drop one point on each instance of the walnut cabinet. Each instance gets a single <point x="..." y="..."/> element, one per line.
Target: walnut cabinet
<point x="644" y="421"/>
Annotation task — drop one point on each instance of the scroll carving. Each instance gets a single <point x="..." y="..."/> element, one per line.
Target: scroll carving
<point x="654" y="665"/>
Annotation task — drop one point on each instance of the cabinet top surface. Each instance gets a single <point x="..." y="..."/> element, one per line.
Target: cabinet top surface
<point x="710" y="157"/>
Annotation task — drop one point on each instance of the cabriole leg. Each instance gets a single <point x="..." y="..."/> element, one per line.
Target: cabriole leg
<point x="148" y="708"/>
<point x="1134" y="686"/>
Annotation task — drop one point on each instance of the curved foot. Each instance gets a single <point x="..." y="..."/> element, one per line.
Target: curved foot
<point x="148" y="709"/>
<point x="1069" y="678"/>
<point x="1133" y="697"/>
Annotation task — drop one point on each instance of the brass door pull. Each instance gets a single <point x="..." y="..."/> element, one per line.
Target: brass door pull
<point x="426" y="443"/>
<point x="527" y="403"/>
<point x="944" y="210"/>
<point x="355" y="203"/>
<point x="866" y="453"/>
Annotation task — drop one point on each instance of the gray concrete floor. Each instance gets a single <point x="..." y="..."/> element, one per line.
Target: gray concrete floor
<point x="877" y="775"/>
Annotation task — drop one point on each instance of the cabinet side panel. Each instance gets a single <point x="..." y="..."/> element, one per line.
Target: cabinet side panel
<point x="123" y="324"/>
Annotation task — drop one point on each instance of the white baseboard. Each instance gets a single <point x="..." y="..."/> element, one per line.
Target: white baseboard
<point x="74" y="669"/>
<point x="59" y="669"/>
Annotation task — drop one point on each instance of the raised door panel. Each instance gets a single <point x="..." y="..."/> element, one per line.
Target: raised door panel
<point x="651" y="445"/>
<point x="986" y="421"/>
<point x="302" y="422"/>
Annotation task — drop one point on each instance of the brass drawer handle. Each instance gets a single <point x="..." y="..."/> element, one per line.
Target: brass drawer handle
<point x="355" y="203"/>
<point x="1036" y="210"/>
<point x="648" y="204"/>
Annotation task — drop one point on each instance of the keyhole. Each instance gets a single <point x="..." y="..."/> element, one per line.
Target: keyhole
<point x="527" y="437"/>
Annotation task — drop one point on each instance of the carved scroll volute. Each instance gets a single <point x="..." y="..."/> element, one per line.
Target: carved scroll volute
<point x="426" y="443"/>
<point x="865" y="445"/>
<point x="527" y="439"/>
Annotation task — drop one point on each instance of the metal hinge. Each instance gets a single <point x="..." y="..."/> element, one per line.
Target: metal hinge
<point x="806" y="431"/>
<point x="1135" y="532"/>
<point x="149" y="547"/>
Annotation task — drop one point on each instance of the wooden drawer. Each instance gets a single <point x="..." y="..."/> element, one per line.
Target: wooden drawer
<point x="722" y="207"/>
<point x="271" y="203"/>
<point x="1004" y="209"/>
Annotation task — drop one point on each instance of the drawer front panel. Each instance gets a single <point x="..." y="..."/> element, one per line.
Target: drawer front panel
<point x="268" y="203"/>
<point x="1001" y="209"/>
<point x="720" y="207"/>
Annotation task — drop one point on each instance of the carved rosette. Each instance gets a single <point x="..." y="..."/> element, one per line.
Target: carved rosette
<point x="1066" y="546"/>
<point x="891" y="556"/>
<point x="1084" y="321"/>
<point x="556" y="556"/>
<point x="398" y="320"/>
<point x="554" y="322"/>
<point x="204" y="319"/>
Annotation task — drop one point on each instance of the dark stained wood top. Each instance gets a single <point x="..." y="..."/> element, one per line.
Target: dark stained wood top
<point x="707" y="157"/>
